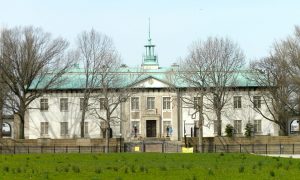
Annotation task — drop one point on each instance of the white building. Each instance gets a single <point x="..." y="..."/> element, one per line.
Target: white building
<point x="154" y="110"/>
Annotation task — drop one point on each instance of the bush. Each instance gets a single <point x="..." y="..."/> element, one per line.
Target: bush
<point x="229" y="130"/>
<point x="248" y="129"/>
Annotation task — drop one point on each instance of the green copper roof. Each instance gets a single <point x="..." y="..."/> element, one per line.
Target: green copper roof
<point x="127" y="76"/>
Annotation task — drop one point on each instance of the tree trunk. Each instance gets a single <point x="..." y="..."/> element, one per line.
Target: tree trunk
<point x="201" y="119"/>
<point x="200" y="143"/>
<point x="107" y="136"/>
<point x="219" y="122"/>
<point x="1" y="118"/>
<point x="82" y="123"/>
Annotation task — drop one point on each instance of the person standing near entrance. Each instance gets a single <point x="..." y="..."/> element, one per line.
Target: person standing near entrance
<point x="135" y="130"/>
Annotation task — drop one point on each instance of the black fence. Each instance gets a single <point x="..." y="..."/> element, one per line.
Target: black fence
<point x="162" y="147"/>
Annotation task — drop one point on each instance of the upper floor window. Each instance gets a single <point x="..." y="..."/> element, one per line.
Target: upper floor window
<point x="166" y="103"/>
<point x="237" y="102"/>
<point x="237" y="126"/>
<point x="64" y="104"/>
<point x="197" y="102"/>
<point x="150" y="102"/>
<point x="44" y="104"/>
<point x="103" y="103"/>
<point x="81" y="104"/>
<point x="257" y="101"/>
<point x="135" y="103"/>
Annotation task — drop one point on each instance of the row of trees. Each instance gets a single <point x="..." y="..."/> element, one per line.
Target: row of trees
<point x="31" y="62"/>
<point x="213" y="65"/>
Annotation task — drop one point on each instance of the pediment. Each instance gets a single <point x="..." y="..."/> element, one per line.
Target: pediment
<point x="151" y="82"/>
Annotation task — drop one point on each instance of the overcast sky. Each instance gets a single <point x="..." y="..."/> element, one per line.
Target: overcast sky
<point x="175" y="24"/>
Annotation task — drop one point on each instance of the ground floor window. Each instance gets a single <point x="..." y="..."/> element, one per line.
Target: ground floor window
<point x="215" y="127"/>
<point x="44" y="128"/>
<point x="237" y="126"/>
<point x="257" y="126"/>
<point x="86" y="128"/>
<point x="64" y="128"/>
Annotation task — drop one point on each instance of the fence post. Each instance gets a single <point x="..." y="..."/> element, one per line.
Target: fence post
<point x="280" y="148"/>
<point x="66" y="149"/>
<point x="227" y="147"/>
<point x="215" y="148"/>
<point x="14" y="149"/>
<point x="41" y="149"/>
<point x="293" y="148"/>
<point x="79" y="148"/>
<point x="91" y="149"/>
<point x="28" y="149"/>
<point x="54" y="149"/>
<point x="240" y="148"/>
<point x="177" y="147"/>
<point x="266" y="148"/>
<point x="252" y="148"/>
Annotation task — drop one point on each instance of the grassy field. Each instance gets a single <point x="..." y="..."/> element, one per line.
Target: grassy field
<point x="147" y="166"/>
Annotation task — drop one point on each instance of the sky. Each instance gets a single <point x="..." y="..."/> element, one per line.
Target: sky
<point x="175" y="24"/>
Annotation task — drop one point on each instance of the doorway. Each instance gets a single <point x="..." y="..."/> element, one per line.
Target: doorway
<point x="151" y="128"/>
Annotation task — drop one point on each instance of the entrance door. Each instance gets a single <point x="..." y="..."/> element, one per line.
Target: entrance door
<point x="151" y="128"/>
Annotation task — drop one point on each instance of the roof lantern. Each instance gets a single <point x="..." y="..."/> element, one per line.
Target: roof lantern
<point x="149" y="59"/>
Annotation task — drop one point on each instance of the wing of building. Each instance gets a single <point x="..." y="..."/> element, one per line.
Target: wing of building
<point x="154" y="107"/>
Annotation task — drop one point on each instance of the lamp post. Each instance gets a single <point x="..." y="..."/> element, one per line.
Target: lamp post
<point x="184" y="134"/>
<point x="120" y="141"/>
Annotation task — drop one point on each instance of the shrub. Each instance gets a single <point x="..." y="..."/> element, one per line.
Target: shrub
<point x="210" y="172"/>
<point x="229" y="130"/>
<point x="248" y="129"/>
<point x="272" y="173"/>
<point x="241" y="169"/>
<point x="76" y="169"/>
<point x="6" y="169"/>
<point x="98" y="170"/>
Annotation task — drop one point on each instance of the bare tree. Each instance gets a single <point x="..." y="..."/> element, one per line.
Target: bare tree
<point x="30" y="62"/>
<point x="211" y="68"/>
<point x="95" y="51"/>
<point x="3" y="94"/>
<point x="279" y="73"/>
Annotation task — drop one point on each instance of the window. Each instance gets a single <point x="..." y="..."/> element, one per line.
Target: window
<point x="166" y="103"/>
<point x="44" y="128"/>
<point x="44" y="104"/>
<point x="237" y="102"/>
<point x="135" y="103"/>
<point x="197" y="102"/>
<point x="64" y="128"/>
<point x="215" y="127"/>
<point x="257" y="101"/>
<point x="150" y="102"/>
<point x="64" y="104"/>
<point x="86" y="128"/>
<point x="81" y="104"/>
<point x="257" y="126"/>
<point x="237" y="126"/>
<point x="103" y="103"/>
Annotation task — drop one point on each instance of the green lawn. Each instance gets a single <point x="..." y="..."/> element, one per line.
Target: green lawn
<point x="147" y="166"/>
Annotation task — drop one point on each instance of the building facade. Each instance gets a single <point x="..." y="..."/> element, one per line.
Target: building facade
<point x="155" y="109"/>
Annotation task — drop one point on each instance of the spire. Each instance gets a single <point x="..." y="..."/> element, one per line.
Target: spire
<point x="149" y="37"/>
<point x="150" y="60"/>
